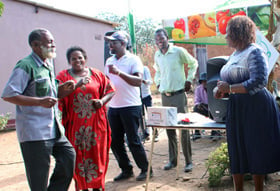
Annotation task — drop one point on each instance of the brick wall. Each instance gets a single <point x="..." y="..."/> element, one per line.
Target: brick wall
<point x="212" y="50"/>
<point x="218" y="50"/>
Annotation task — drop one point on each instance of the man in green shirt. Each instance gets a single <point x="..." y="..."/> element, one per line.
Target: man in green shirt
<point x="34" y="91"/>
<point x="172" y="83"/>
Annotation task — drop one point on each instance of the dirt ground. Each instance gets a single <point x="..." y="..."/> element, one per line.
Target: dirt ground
<point x="12" y="173"/>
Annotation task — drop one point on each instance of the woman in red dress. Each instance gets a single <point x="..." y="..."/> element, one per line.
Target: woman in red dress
<point x="84" y="116"/>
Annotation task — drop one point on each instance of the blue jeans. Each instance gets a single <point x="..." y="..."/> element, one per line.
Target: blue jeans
<point x="126" y="121"/>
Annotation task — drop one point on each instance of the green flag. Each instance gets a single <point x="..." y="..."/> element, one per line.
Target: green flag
<point x="131" y="28"/>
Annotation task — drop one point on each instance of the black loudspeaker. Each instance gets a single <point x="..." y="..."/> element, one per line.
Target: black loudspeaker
<point x="217" y="107"/>
<point x="106" y="47"/>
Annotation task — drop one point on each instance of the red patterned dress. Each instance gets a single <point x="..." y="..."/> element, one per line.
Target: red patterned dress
<point x="87" y="129"/>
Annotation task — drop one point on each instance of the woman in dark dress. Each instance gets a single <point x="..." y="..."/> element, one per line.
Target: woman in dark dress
<point x="253" y="132"/>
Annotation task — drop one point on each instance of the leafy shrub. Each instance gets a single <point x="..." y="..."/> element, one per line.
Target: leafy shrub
<point x="218" y="165"/>
<point x="4" y="120"/>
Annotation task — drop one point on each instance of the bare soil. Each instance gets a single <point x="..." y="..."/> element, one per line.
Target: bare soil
<point x="12" y="172"/>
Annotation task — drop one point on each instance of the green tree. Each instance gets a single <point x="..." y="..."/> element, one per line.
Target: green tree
<point x="144" y="29"/>
<point x="1" y="7"/>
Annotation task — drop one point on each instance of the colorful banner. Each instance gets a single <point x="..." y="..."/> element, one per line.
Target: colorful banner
<point x="210" y="28"/>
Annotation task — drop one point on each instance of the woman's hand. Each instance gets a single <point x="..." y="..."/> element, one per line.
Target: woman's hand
<point x="82" y="82"/>
<point x="217" y="93"/>
<point x="97" y="103"/>
<point x="223" y="87"/>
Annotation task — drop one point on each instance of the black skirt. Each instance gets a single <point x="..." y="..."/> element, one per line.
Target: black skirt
<point x="253" y="133"/>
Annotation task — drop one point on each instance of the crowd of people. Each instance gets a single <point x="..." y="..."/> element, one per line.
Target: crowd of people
<point x="82" y="113"/>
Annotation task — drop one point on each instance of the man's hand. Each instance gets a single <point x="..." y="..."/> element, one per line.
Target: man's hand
<point x="188" y="85"/>
<point x="200" y="106"/>
<point x="23" y="100"/>
<point x="114" y="70"/>
<point x="68" y="85"/>
<point x="47" y="102"/>
<point x="145" y="81"/>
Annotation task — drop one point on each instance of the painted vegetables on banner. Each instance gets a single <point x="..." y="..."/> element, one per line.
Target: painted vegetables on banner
<point x="223" y="17"/>
<point x="202" y="25"/>
<point x="214" y="23"/>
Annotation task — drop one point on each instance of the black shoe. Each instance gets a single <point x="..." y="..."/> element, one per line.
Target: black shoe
<point x="188" y="167"/>
<point x="195" y="137"/>
<point x="124" y="175"/>
<point x="169" y="166"/>
<point x="147" y="138"/>
<point x="197" y="132"/>
<point x="216" y="135"/>
<point x="216" y="138"/>
<point x="143" y="175"/>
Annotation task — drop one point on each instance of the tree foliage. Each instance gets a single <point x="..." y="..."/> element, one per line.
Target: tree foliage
<point x="1" y="7"/>
<point x="144" y="29"/>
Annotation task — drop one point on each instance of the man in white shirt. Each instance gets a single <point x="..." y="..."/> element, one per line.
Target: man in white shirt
<point x="125" y="71"/>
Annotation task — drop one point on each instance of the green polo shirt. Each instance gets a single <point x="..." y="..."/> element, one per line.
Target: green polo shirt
<point x="32" y="77"/>
<point x="170" y="69"/>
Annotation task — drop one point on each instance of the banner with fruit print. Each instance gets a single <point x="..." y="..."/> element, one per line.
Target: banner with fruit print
<point x="202" y="25"/>
<point x="210" y="28"/>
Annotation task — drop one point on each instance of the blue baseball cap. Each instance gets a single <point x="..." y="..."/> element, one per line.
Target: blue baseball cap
<point x="119" y="35"/>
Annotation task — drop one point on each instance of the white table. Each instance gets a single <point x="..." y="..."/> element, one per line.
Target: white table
<point x="197" y="122"/>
